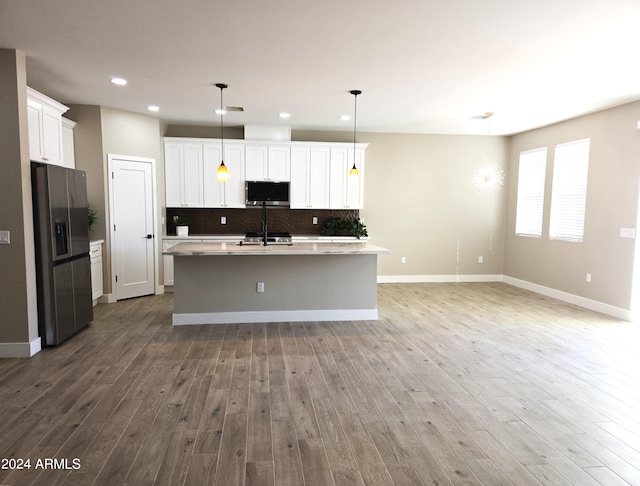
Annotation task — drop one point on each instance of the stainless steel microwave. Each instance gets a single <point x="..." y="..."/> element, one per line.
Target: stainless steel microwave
<point x="268" y="192"/>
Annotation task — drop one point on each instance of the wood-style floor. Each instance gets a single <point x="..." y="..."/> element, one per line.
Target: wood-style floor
<point x="455" y="384"/>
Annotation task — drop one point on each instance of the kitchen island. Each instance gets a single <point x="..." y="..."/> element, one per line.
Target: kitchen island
<point x="230" y="283"/>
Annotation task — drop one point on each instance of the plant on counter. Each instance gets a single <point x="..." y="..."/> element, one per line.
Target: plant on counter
<point x="93" y="217"/>
<point x="344" y="227"/>
<point x="182" y="226"/>
<point x="178" y="221"/>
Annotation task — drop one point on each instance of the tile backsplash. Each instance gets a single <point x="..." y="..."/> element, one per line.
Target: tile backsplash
<point x="207" y="221"/>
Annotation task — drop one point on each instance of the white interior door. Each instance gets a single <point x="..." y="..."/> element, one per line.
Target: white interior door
<point x="132" y="227"/>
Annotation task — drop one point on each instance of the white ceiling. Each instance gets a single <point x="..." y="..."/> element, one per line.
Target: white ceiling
<point x="424" y="66"/>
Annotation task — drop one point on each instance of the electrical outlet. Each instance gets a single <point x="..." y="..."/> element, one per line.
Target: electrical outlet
<point x="223" y="220"/>
<point x="315" y="220"/>
<point x="480" y="259"/>
<point x="5" y="238"/>
<point x="403" y="260"/>
<point x="260" y="287"/>
<point x="588" y="278"/>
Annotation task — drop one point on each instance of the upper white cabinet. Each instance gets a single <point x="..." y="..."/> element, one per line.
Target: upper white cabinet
<point x="183" y="163"/>
<point x="318" y="172"/>
<point x="68" y="150"/>
<point x="268" y="162"/>
<point x="45" y="128"/>
<point x="230" y="194"/>
<point x="345" y="193"/>
<point x="310" y="175"/>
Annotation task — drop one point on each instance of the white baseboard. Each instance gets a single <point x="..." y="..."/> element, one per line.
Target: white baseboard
<point x="594" y="305"/>
<point x="438" y="278"/>
<point x="107" y="299"/>
<point x="20" y="350"/>
<point x="275" y="316"/>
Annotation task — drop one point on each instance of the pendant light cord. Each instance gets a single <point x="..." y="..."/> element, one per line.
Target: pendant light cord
<point x="355" y="116"/>
<point x="355" y="93"/>
<point x="221" y="125"/>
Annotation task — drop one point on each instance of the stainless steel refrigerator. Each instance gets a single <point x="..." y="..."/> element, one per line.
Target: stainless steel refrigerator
<point x="63" y="268"/>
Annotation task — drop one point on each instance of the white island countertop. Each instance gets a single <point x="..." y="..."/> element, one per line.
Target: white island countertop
<point x="221" y="248"/>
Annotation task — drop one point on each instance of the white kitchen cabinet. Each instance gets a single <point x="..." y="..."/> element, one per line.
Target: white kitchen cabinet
<point x="95" y="253"/>
<point x="184" y="175"/>
<point x="319" y="177"/>
<point x="310" y="171"/>
<point x="268" y="163"/>
<point x="45" y="128"/>
<point x="68" y="150"/>
<point x="346" y="194"/>
<point x="167" y="260"/>
<point x="230" y="194"/>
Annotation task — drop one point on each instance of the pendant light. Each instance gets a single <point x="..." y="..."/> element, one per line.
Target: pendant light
<point x="354" y="174"/>
<point x="223" y="173"/>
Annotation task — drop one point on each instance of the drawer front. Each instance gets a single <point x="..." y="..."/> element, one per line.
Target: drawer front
<point x="95" y="250"/>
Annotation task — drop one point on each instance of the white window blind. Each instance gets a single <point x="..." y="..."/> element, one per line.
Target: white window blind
<point x="569" y="191"/>
<point x="530" y="199"/>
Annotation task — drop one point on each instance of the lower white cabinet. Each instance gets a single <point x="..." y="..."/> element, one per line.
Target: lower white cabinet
<point x="167" y="260"/>
<point x="95" y="253"/>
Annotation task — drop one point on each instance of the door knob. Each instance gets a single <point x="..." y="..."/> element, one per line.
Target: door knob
<point x="148" y="237"/>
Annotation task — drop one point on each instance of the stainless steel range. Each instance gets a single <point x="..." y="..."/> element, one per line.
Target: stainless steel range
<point x="275" y="237"/>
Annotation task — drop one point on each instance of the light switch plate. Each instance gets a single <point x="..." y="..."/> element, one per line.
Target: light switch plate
<point x="5" y="237"/>
<point x="627" y="233"/>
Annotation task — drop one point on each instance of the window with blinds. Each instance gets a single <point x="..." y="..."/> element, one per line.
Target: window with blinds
<point x="569" y="190"/>
<point x="530" y="198"/>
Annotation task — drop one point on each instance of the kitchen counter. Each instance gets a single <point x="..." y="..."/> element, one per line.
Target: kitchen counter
<point x="219" y="283"/>
<point x="295" y="238"/>
<point x="222" y="248"/>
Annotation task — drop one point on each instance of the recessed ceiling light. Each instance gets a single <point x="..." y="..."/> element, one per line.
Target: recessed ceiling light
<point x="153" y="108"/>
<point x="284" y="115"/>
<point x="119" y="81"/>
<point x="345" y="117"/>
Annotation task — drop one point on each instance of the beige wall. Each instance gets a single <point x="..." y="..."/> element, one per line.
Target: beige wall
<point x="612" y="203"/>
<point x="18" y="299"/>
<point x="88" y="156"/>
<point x="102" y="131"/>
<point x="132" y="134"/>
<point x="420" y="202"/>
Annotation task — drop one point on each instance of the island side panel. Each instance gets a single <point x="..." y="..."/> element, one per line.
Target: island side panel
<point x="222" y="288"/>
